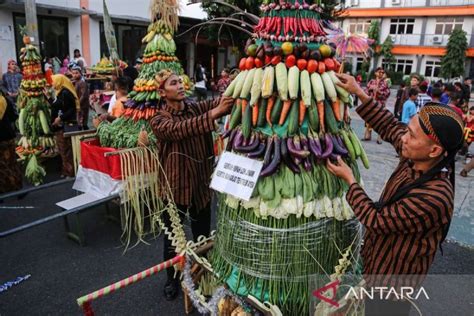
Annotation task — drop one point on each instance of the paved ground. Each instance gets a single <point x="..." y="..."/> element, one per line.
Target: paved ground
<point x="61" y="271"/>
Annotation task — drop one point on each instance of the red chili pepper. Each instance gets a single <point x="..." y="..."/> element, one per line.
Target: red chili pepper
<point x="279" y="27"/>
<point x="287" y="25"/>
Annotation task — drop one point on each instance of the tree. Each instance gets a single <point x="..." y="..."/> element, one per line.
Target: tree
<point x="374" y="34"/>
<point x="452" y="64"/>
<point x="386" y="52"/>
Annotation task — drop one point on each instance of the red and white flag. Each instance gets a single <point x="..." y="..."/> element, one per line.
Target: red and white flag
<point x="98" y="175"/>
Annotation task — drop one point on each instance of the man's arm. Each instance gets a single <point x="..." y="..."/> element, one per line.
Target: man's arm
<point x="377" y="116"/>
<point x="83" y="95"/>
<point x="421" y="210"/>
<point x="165" y="128"/>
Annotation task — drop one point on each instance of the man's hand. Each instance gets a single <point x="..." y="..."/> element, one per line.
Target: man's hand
<point x="349" y="83"/>
<point x="57" y="121"/>
<point x="104" y="117"/>
<point x="224" y="108"/>
<point x="47" y="93"/>
<point x="341" y="170"/>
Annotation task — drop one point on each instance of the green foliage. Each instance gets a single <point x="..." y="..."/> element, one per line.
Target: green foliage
<point x="452" y="64"/>
<point x="386" y="52"/>
<point x="374" y="33"/>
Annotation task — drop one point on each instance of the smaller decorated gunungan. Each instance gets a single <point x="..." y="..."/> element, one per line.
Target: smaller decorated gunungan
<point x="34" y="119"/>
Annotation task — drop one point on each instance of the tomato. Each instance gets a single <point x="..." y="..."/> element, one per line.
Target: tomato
<point x="290" y="61"/>
<point x="321" y="68"/>
<point x="276" y="60"/>
<point x="250" y="63"/>
<point x="312" y="66"/>
<point x="242" y="63"/>
<point x="258" y="63"/>
<point x="329" y="64"/>
<point x="301" y="64"/>
<point x="268" y="60"/>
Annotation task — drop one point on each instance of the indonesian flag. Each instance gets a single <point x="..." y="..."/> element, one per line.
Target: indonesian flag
<point x="98" y="175"/>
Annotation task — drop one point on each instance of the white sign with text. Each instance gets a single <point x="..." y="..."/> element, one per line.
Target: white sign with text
<point x="236" y="175"/>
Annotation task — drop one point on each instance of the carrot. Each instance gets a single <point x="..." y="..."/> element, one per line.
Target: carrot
<point x="255" y="114"/>
<point x="337" y="110"/>
<point x="320" y="105"/>
<point x="302" y="112"/>
<point x="284" y="111"/>
<point x="245" y="103"/>
<point x="270" y="104"/>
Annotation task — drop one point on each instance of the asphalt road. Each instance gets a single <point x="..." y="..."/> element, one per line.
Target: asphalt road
<point x="61" y="271"/>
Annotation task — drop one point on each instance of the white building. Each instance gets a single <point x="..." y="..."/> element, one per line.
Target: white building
<point x="419" y="29"/>
<point x="65" y="25"/>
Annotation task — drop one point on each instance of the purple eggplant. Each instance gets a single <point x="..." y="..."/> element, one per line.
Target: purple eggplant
<point x="337" y="148"/>
<point x="250" y="146"/>
<point x="294" y="147"/>
<point x="333" y="157"/>
<point x="305" y="146"/>
<point x="328" y="147"/>
<point x="273" y="165"/>
<point x="308" y="166"/>
<point x="315" y="147"/>
<point x="285" y="156"/>
<point x="226" y="134"/>
<point x="230" y="141"/>
<point x="268" y="153"/>
<point x="239" y="137"/>
<point x="258" y="152"/>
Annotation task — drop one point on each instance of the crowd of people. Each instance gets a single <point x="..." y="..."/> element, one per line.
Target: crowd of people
<point x="410" y="99"/>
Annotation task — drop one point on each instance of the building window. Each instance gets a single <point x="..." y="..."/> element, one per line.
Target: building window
<point x="402" y="26"/>
<point x="359" y="63"/>
<point x="447" y="25"/>
<point x="359" y="26"/>
<point x="53" y="35"/>
<point x="400" y="65"/>
<point x="432" y="69"/>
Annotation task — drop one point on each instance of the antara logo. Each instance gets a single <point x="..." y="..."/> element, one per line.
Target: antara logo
<point x="384" y="293"/>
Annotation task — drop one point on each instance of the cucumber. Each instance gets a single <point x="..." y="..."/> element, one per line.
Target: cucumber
<point x="349" y="146"/>
<point x="355" y="142"/>
<point x="330" y="119"/>
<point x="276" y="111"/>
<point x="262" y="110"/>
<point x="313" y="116"/>
<point x="247" y="122"/>
<point x="236" y="115"/>
<point x="293" y="117"/>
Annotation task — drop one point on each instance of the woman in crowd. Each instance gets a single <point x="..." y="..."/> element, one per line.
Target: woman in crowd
<point x="64" y="106"/>
<point x="378" y="89"/>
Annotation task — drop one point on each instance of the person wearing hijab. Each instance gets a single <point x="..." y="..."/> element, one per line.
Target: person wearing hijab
<point x="64" y="106"/>
<point x="411" y="219"/>
<point x="10" y="171"/>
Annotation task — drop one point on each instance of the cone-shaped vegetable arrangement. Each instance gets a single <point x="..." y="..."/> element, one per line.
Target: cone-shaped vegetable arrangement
<point x="34" y="114"/>
<point x="143" y="101"/>
<point x="290" y="114"/>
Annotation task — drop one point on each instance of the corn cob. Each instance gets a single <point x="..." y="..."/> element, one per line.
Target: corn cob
<point x="268" y="81"/>
<point x="282" y="80"/>
<point x="256" y="89"/>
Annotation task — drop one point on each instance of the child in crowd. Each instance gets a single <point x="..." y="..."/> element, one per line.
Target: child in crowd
<point x="409" y="107"/>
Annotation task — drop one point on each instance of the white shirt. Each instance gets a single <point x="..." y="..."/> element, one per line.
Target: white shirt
<point x="82" y="60"/>
<point x="112" y="102"/>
